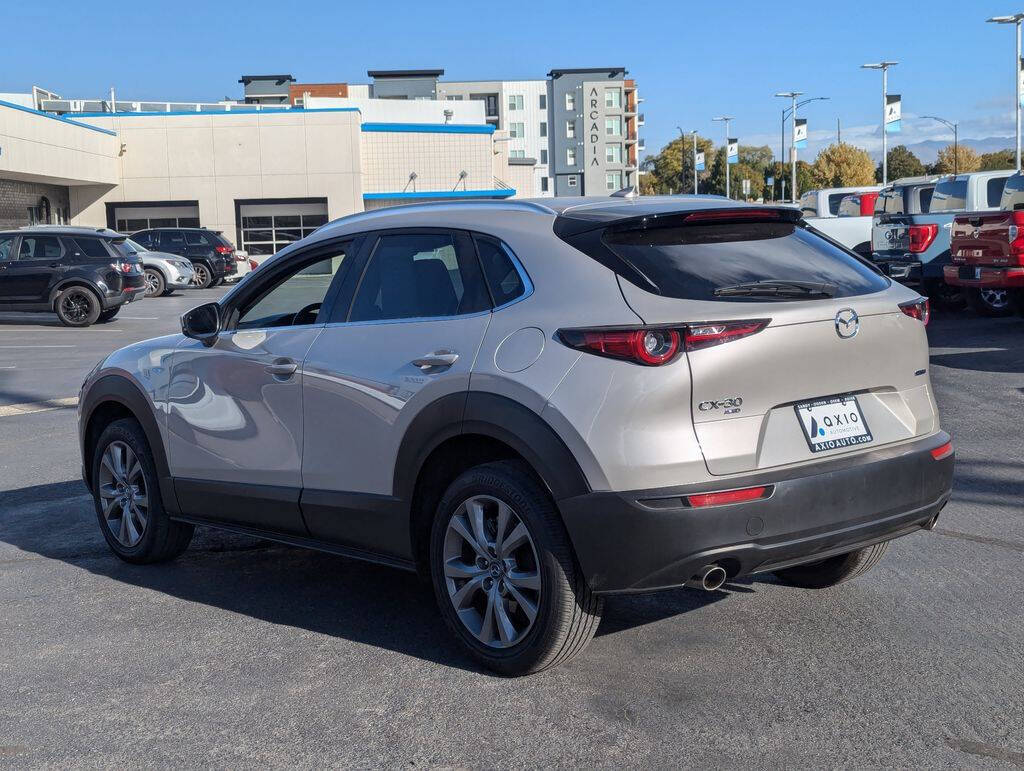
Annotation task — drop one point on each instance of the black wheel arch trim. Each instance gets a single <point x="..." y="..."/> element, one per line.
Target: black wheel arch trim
<point x="101" y="295"/>
<point x="498" y="417"/>
<point x="122" y="391"/>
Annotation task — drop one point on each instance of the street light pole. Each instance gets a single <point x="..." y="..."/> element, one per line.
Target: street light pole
<point x="694" y="132"/>
<point x="782" y="141"/>
<point x="792" y="152"/>
<point x="956" y="151"/>
<point x="1015" y="19"/>
<point x="726" y="118"/>
<point x="884" y="67"/>
<point x="682" y="156"/>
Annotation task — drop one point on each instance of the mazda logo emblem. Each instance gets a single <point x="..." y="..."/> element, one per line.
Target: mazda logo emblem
<point x="847" y="323"/>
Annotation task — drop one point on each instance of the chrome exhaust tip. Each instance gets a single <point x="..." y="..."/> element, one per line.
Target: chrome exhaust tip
<point x="708" y="578"/>
<point x="931" y="523"/>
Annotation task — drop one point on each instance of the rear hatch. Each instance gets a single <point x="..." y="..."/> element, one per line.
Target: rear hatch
<point x="837" y="368"/>
<point x="985" y="239"/>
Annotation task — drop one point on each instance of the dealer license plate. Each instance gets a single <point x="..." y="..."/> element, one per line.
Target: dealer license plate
<point x="830" y="424"/>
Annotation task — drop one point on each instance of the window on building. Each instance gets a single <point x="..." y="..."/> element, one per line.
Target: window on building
<point x="515" y="101"/>
<point x="570" y="129"/>
<point x="544" y="156"/>
<point x="570" y="156"/>
<point x="613" y="180"/>
<point x="543" y="101"/>
<point x="613" y="153"/>
<point x="570" y="100"/>
<point x="613" y="98"/>
<point x="571" y="181"/>
<point x="269" y="233"/>
<point x="454" y="98"/>
<point x="517" y="153"/>
<point x="543" y="128"/>
<point x="516" y="130"/>
<point x="613" y="126"/>
<point x="543" y="184"/>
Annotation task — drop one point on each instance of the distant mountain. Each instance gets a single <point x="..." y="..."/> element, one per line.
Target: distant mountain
<point x="928" y="151"/>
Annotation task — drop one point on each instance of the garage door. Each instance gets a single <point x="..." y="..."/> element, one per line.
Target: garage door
<point x="129" y="219"/>
<point x="268" y="228"/>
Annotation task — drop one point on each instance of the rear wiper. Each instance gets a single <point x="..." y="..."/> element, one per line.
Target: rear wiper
<point x="774" y="288"/>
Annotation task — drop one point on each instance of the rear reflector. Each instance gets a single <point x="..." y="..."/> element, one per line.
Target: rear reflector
<point x="943" y="451"/>
<point x="918" y="309"/>
<point x="727" y="496"/>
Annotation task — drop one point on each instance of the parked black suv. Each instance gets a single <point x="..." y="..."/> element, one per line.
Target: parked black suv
<point x="212" y="255"/>
<point x="82" y="274"/>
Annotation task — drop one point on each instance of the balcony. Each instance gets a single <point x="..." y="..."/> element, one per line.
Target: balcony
<point x="640" y="119"/>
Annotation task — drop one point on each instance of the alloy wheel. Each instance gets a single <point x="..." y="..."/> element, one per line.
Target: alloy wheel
<point x="201" y="277"/>
<point x="152" y="283"/>
<point x="75" y="307"/>
<point x="491" y="571"/>
<point x="124" y="498"/>
<point x="997" y="299"/>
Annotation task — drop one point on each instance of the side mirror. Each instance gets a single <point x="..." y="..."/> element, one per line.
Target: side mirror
<point x="202" y="323"/>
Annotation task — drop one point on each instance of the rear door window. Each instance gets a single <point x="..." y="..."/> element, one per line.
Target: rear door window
<point x="690" y="261"/>
<point x="172" y="240"/>
<point x="193" y="238"/>
<point x="419" y="275"/>
<point x="147" y="239"/>
<point x="40" y="248"/>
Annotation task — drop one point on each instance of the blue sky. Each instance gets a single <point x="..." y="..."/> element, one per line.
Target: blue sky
<point x="692" y="61"/>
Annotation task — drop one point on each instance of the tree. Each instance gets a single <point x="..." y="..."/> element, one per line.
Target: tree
<point x="843" y="165"/>
<point x="672" y="168"/>
<point x="751" y="164"/>
<point x="783" y="172"/>
<point x="1001" y="159"/>
<point x="966" y="160"/>
<point x="902" y="163"/>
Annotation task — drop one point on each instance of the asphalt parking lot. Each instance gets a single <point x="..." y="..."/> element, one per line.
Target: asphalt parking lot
<point x="246" y="653"/>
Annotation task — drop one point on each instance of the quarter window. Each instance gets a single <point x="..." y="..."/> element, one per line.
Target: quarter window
<point x="295" y="298"/>
<point x="503" y="279"/>
<point x="90" y="247"/>
<point x="418" y="276"/>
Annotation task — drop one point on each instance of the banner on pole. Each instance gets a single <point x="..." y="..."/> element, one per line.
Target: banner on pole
<point x="800" y="133"/>
<point x="698" y="160"/>
<point x="893" y="113"/>
<point x="732" y="152"/>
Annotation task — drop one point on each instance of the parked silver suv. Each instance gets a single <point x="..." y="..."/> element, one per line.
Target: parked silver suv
<point x="536" y="404"/>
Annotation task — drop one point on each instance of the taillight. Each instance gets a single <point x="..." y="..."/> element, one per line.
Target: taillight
<point x="658" y="345"/>
<point x="943" y="451"/>
<point x="728" y="496"/>
<point x="918" y="309"/>
<point x="223" y="249"/>
<point x="699" y="336"/>
<point x="253" y="264"/>
<point x="123" y="267"/>
<point x="1015" y="235"/>
<point x="921" y="237"/>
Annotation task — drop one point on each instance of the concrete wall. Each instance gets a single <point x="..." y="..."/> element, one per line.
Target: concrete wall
<point x="404" y="110"/>
<point x="216" y="159"/>
<point x="42" y="148"/>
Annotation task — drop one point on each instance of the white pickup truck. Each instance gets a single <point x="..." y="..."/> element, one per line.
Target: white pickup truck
<point x="821" y="210"/>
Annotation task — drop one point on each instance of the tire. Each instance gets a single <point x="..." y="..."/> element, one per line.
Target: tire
<point x="167" y="293"/>
<point x="77" y="306"/>
<point x="834" y="570"/>
<point x="990" y="302"/>
<point x="216" y="282"/>
<point x="148" y="535"/>
<point x="1017" y="300"/>
<point x="106" y="316"/>
<point x="539" y="574"/>
<point x="203" y="278"/>
<point x="155" y="283"/>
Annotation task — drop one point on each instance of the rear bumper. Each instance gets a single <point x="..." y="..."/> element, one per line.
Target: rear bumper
<point x="651" y="539"/>
<point x="126" y="295"/>
<point x="984" y="277"/>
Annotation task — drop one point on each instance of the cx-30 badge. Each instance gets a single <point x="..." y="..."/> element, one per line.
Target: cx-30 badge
<point x="847" y="323"/>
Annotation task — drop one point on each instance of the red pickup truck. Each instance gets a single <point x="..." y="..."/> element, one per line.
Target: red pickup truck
<point x="987" y="253"/>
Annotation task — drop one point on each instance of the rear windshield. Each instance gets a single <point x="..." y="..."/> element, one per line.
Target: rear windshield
<point x="926" y="199"/>
<point x="949" y="195"/>
<point x="691" y="261"/>
<point x="890" y="202"/>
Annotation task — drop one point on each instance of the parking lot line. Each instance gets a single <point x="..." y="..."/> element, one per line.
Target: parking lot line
<point x="10" y="410"/>
<point x="37" y="346"/>
<point x="140" y="318"/>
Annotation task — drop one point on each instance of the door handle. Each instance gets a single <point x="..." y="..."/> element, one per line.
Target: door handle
<point x="282" y="368"/>
<point x="436" y="359"/>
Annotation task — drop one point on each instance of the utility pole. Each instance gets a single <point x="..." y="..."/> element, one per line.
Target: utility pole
<point x="884" y="67"/>
<point x="1015" y="19"/>
<point x="956" y="151"/>
<point x="839" y="132"/>
<point x="726" y="119"/>
<point x="694" y="132"/>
